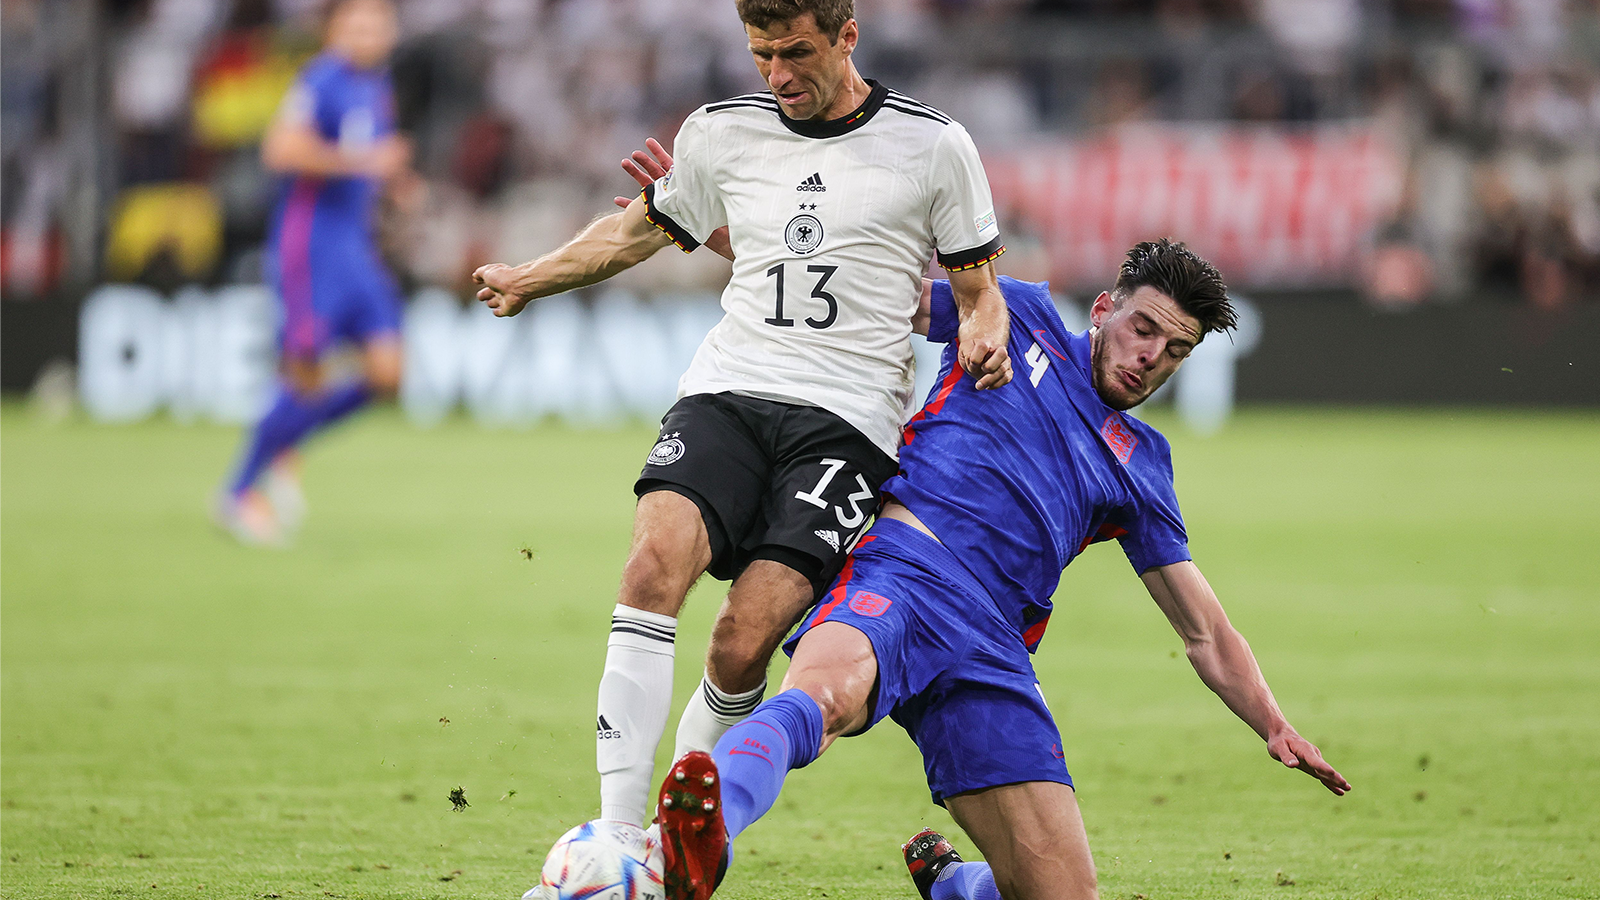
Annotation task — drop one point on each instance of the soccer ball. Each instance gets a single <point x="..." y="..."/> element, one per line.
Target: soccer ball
<point x="602" y="861"/>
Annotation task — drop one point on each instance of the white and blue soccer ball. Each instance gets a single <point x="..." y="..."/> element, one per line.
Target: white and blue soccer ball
<point x="602" y="860"/>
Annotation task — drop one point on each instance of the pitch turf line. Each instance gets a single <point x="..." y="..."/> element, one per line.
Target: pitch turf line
<point x="1422" y="589"/>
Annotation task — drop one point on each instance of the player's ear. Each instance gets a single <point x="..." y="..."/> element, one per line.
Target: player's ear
<point x="1100" y="309"/>
<point x="848" y="35"/>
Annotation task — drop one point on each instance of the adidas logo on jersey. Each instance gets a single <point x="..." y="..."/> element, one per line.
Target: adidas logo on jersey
<point x="831" y="538"/>
<point x="814" y="183"/>
<point x="603" y="730"/>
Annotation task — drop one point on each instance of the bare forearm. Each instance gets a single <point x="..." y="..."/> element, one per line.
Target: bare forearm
<point x="605" y="248"/>
<point x="304" y="155"/>
<point x="984" y="326"/>
<point x="1222" y="658"/>
<point x="1219" y="653"/>
<point x="1225" y="663"/>
<point x="980" y="300"/>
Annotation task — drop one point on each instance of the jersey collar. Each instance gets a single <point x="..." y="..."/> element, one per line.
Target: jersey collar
<point x="845" y="124"/>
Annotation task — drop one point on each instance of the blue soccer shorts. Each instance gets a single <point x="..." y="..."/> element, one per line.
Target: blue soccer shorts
<point x="333" y="289"/>
<point x="951" y="670"/>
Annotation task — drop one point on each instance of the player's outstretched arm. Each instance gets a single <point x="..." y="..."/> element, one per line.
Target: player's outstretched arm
<point x="1224" y="662"/>
<point x="985" y="326"/>
<point x="609" y="245"/>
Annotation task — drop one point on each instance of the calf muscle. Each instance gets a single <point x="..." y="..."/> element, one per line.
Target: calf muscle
<point x="1033" y="838"/>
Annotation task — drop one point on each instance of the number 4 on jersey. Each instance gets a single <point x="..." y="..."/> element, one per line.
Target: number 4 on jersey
<point x="1037" y="363"/>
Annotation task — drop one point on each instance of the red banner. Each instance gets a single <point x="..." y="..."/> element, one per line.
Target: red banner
<point x="1269" y="207"/>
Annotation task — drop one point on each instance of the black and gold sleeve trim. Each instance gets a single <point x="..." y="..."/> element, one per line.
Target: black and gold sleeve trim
<point x="674" y="232"/>
<point x="971" y="259"/>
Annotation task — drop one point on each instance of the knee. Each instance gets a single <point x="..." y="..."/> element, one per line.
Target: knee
<point x="383" y="381"/>
<point x="382" y="365"/>
<point x="384" y="385"/>
<point x="302" y="376"/>
<point x="655" y="577"/>
<point x="841" y="709"/>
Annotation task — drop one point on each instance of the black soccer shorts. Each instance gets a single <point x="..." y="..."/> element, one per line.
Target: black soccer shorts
<point x="793" y="484"/>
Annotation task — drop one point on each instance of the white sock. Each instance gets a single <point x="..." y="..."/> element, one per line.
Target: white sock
<point x="635" y="699"/>
<point x="710" y="712"/>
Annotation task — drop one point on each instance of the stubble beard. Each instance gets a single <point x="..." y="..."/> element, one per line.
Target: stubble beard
<point x="1099" y="376"/>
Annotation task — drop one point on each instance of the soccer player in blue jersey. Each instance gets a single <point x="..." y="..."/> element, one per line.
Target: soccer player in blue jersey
<point x="334" y="145"/>
<point x="932" y="620"/>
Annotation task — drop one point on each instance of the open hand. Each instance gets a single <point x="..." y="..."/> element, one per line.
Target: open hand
<point x="645" y="167"/>
<point x="1296" y="752"/>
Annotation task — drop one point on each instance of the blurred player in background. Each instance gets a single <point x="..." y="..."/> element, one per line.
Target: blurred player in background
<point x="935" y="613"/>
<point x="334" y="143"/>
<point x="836" y="193"/>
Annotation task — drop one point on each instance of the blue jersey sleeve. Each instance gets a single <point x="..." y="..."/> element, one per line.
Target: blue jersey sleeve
<point x="1155" y="533"/>
<point x="943" y="324"/>
<point x="311" y="99"/>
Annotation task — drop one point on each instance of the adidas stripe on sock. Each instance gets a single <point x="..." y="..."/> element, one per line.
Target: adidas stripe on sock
<point x="635" y="699"/>
<point x="710" y="712"/>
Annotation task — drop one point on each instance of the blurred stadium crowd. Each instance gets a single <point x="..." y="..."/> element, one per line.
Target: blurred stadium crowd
<point x="131" y="127"/>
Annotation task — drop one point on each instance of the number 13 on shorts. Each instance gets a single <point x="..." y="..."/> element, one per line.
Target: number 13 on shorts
<point x="856" y="515"/>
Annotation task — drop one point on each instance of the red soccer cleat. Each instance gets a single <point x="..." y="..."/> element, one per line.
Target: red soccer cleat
<point x="693" y="838"/>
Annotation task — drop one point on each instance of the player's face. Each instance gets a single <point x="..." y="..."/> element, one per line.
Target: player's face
<point x="802" y="67"/>
<point x="1138" y="344"/>
<point x="364" y="32"/>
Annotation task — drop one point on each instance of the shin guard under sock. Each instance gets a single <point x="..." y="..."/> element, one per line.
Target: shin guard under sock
<point x="756" y="755"/>
<point x="635" y="700"/>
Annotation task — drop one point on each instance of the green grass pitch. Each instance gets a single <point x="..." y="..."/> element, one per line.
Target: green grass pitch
<point x="184" y="717"/>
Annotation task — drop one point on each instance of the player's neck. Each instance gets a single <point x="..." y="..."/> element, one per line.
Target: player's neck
<point x="851" y="95"/>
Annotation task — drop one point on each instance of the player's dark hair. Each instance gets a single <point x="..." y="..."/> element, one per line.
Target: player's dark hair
<point x="830" y="14"/>
<point x="1173" y="269"/>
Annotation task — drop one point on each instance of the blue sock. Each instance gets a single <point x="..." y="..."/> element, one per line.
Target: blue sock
<point x="289" y="421"/>
<point x="755" y="755"/>
<point x="966" y="881"/>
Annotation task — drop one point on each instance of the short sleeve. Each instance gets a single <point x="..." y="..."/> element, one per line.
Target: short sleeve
<point x="686" y="203"/>
<point x="964" y="229"/>
<point x="943" y="322"/>
<point x="299" y="106"/>
<point x="1155" y="533"/>
<point x="313" y="99"/>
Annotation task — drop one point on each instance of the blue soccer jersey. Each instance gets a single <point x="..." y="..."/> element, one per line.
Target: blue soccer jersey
<point x="1018" y="481"/>
<point x="348" y="106"/>
<point x="323" y="256"/>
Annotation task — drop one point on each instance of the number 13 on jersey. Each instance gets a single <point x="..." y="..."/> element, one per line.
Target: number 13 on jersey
<point x="818" y="292"/>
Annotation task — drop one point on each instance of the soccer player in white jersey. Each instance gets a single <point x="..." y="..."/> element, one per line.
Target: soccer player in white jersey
<point x="836" y="193"/>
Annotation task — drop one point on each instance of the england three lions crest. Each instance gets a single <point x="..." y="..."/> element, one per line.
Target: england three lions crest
<point x="1119" y="437"/>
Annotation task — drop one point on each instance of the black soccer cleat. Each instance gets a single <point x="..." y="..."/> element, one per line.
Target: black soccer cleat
<point x="927" y="854"/>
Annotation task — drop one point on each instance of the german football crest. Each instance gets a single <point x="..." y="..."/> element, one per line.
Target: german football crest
<point x="803" y="234"/>
<point x="666" y="452"/>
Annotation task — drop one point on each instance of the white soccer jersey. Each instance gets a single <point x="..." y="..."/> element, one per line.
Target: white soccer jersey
<point x="833" y="225"/>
